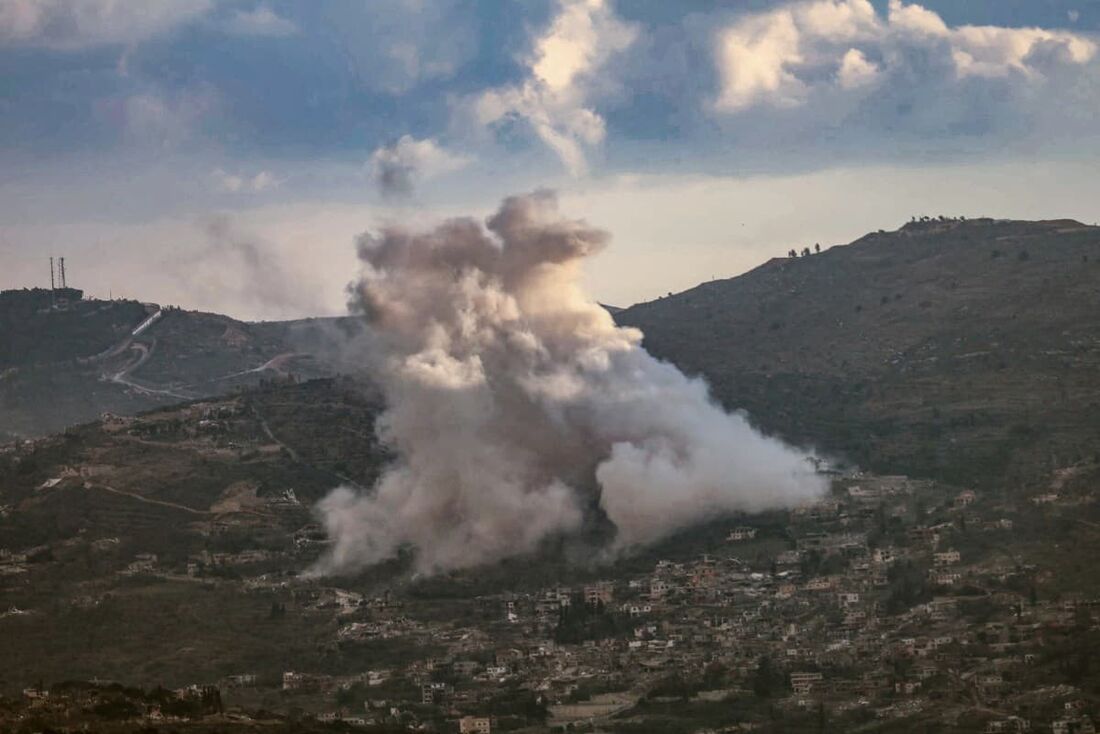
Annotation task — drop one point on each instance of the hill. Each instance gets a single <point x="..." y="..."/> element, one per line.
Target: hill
<point x="68" y="361"/>
<point x="202" y="482"/>
<point x="965" y="350"/>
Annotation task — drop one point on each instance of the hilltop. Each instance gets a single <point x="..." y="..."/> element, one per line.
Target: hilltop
<point x="965" y="350"/>
<point x="67" y="360"/>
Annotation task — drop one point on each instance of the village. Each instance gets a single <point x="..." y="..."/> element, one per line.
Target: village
<point x="887" y="601"/>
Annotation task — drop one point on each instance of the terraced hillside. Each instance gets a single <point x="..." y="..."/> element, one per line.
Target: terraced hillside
<point x="968" y="350"/>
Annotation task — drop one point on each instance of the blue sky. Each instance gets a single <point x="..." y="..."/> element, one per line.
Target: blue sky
<point x="706" y="136"/>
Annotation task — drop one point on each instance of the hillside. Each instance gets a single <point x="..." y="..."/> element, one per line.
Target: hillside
<point x="966" y="350"/>
<point x="204" y="480"/>
<point x="66" y="365"/>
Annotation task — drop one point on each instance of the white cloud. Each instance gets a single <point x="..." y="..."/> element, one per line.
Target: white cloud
<point x="401" y="166"/>
<point x="783" y="57"/>
<point x="75" y="24"/>
<point x="916" y="20"/>
<point x="242" y="183"/>
<point x="856" y="71"/>
<point x="260" y="21"/>
<point x="756" y="59"/>
<point x="555" y="98"/>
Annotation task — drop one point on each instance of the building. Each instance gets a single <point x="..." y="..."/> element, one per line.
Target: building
<point x="474" y="725"/>
<point x="965" y="498"/>
<point x="601" y="593"/>
<point x="925" y="536"/>
<point x="435" y="693"/>
<point x="740" y="534"/>
<point x="946" y="558"/>
<point x="803" y="683"/>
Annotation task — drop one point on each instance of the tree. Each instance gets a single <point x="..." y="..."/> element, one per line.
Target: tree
<point x="817" y="247"/>
<point x="767" y="679"/>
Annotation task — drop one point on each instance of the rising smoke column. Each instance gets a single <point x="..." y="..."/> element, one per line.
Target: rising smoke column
<point x="515" y="402"/>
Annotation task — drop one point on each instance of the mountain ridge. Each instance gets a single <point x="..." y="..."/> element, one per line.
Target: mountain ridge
<point x="909" y="346"/>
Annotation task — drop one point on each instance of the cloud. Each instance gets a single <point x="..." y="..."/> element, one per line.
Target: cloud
<point x="244" y="184"/>
<point x="555" y="99"/>
<point x="76" y="24"/>
<point x="160" y="118"/>
<point x="394" y="46"/>
<point x="398" y="168"/>
<point x="856" y="71"/>
<point x="805" y="51"/>
<point x="260" y="21"/>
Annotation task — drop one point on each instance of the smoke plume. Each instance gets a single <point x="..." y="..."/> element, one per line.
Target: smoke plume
<point x="517" y="409"/>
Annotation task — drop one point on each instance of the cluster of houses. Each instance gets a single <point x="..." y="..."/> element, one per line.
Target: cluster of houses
<point x="875" y="601"/>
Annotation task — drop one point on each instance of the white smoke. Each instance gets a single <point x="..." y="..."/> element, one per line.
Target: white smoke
<point x="516" y="406"/>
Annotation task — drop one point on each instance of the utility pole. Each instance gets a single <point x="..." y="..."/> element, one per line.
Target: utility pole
<point x="63" y="283"/>
<point x="53" y="287"/>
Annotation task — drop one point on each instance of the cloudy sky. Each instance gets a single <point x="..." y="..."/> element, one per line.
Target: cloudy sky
<point x="223" y="154"/>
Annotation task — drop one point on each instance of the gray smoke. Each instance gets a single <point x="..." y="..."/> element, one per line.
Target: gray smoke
<point x="515" y="404"/>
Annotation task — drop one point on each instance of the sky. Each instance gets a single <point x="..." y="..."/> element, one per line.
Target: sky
<point x="225" y="154"/>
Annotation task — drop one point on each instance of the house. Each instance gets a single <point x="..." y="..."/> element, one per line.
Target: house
<point x="803" y="683"/>
<point x="847" y="598"/>
<point x="821" y="583"/>
<point x="884" y="556"/>
<point x="965" y="498"/>
<point x="601" y="593"/>
<point x="738" y="535"/>
<point x="241" y="680"/>
<point x="907" y="687"/>
<point x="786" y="591"/>
<point x="474" y="725"/>
<point x="435" y="693"/>
<point x="819" y="511"/>
<point x="142" y="563"/>
<point x="293" y="681"/>
<point x="859" y="492"/>
<point x="34" y="694"/>
<point x="1072" y="726"/>
<point x="946" y="558"/>
<point x="945" y="578"/>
